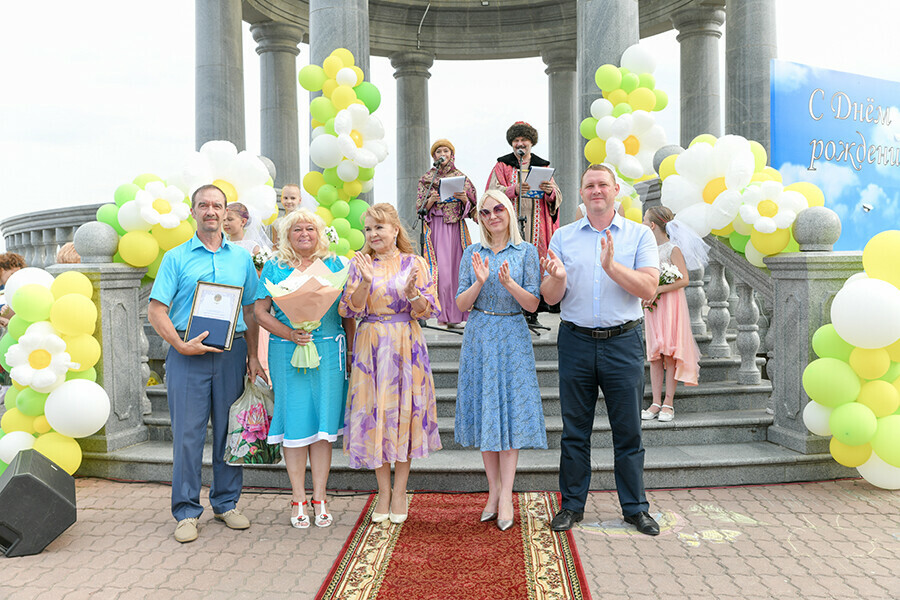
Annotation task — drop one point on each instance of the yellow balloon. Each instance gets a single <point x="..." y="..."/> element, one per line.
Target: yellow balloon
<point x="328" y="88"/>
<point x="770" y="243"/>
<point x="72" y="282"/>
<point x="323" y="212"/>
<point x="703" y="138"/>
<point x="880" y="396"/>
<point x="138" y="248"/>
<point x="713" y="188"/>
<point x="360" y="76"/>
<point x="870" y="363"/>
<point x="14" y="420"/>
<point x="61" y="449"/>
<point x="312" y="181"/>
<point x="313" y="123"/>
<point x="83" y="349"/>
<point x="169" y="238"/>
<point x="725" y="231"/>
<point x="332" y="65"/>
<point x="353" y="188"/>
<point x="617" y="96"/>
<point x="642" y="99"/>
<point x="667" y="167"/>
<point x="41" y="425"/>
<point x="880" y="257"/>
<point x="741" y="226"/>
<point x="345" y="56"/>
<point x="73" y="314"/>
<point x="343" y="194"/>
<point x="634" y="214"/>
<point x="773" y="173"/>
<point x="759" y="155"/>
<point x="894" y="351"/>
<point x="626" y="203"/>
<point x="18" y="386"/>
<point x="814" y="196"/>
<point x="595" y="151"/>
<point x="343" y="96"/>
<point x="849" y="456"/>
<point x="271" y="219"/>
<point x="231" y="194"/>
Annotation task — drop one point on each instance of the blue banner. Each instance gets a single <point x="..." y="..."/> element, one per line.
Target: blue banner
<point x="841" y="132"/>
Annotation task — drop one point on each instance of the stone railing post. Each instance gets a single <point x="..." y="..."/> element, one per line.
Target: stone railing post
<point x="718" y="317"/>
<point x="116" y="290"/>
<point x="38" y="235"/>
<point x="747" y="335"/>
<point x="696" y="301"/>
<point x="805" y="285"/>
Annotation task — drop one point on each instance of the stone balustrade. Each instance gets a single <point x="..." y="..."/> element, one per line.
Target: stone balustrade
<point x="37" y="236"/>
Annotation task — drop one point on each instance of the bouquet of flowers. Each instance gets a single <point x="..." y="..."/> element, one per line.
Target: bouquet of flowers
<point x="668" y="274"/>
<point x="261" y="258"/>
<point x="305" y="298"/>
<point x="248" y="427"/>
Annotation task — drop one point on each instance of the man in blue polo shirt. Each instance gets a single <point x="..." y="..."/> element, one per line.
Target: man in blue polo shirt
<point x="599" y="268"/>
<point x="202" y="380"/>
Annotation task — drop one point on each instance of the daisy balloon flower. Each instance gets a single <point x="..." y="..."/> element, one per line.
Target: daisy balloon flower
<point x="39" y="359"/>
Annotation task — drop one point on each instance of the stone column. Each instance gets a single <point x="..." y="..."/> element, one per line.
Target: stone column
<point x="116" y="292"/>
<point x="337" y="24"/>
<point x="563" y="135"/>
<point x="277" y="49"/>
<point x="219" y="79"/>
<point x="605" y="28"/>
<point x="699" y="30"/>
<point x="750" y="45"/>
<point x="411" y="72"/>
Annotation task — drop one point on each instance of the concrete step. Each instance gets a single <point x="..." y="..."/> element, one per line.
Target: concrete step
<point x="694" y="465"/>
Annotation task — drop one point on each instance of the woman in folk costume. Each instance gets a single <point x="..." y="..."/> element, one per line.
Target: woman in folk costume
<point x="539" y="206"/>
<point x="446" y="235"/>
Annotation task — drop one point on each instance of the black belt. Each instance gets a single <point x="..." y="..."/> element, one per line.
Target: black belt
<point x="237" y="334"/>
<point x="604" y="333"/>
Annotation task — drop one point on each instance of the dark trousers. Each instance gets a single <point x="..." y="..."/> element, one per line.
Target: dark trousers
<point x="199" y="387"/>
<point x="616" y="366"/>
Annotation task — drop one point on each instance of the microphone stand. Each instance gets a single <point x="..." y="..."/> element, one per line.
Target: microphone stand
<point x="531" y="318"/>
<point x="421" y="214"/>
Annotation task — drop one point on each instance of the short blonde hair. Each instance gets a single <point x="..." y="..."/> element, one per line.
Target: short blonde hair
<point x="514" y="236"/>
<point x="284" y="252"/>
<point x="67" y="255"/>
<point x="385" y="213"/>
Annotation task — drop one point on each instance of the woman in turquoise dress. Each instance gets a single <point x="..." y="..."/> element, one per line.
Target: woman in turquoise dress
<point x="309" y="403"/>
<point x="498" y="401"/>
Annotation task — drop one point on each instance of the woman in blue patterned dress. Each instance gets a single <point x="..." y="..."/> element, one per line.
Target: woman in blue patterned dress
<point x="498" y="402"/>
<point x="309" y="403"/>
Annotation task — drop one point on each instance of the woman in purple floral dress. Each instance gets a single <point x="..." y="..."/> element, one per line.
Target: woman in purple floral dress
<point x="391" y="411"/>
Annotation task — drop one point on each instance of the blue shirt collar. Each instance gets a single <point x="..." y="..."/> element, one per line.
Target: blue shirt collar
<point x="617" y="222"/>
<point x="196" y="243"/>
<point x="509" y="244"/>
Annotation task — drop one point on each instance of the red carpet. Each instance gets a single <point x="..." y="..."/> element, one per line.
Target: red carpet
<point x="442" y="551"/>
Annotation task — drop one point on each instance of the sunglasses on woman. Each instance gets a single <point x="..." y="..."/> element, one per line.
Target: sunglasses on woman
<point x="498" y="209"/>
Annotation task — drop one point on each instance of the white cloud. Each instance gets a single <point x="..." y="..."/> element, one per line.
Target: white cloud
<point x="832" y="179"/>
<point x="790" y="76"/>
<point x="875" y="206"/>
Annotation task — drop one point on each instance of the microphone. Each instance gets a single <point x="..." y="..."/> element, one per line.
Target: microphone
<point x="520" y="152"/>
<point x="439" y="161"/>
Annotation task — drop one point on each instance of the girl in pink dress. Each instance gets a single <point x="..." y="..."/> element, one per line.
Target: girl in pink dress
<point x="671" y="347"/>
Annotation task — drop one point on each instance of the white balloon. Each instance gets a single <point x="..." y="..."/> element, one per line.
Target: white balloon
<point x="347" y="171"/>
<point x="346" y="76"/>
<point x="815" y="417"/>
<point x="866" y="313"/>
<point x="343" y="122"/>
<point x="856" y="277"/>
<point x="220" y="154"/>
<point x="372" y="129"/>
<point x="724" y="208"/>
<point x="367" y="186"/>
<point x="622" y="126"/>
<point x="601" y="107"/>
<point x="604" y="127"/>
<point x="695" y="217"/>
<point x="641" y="122"/>
<point x="878" y="473"/>
<point x="130" y="217"/>
<point x="679" y="192"/>
<point x="77" y="408"/>
<point x="754" y="256"/>
<point x="320" y="130"/>
<point x="696" y="163"/>
<point x="13" y="442"/>
<point x="27" y="276"/>
<point x="638" y="59"/>
<point x="615" y="150"/>
<point x="630" y="166"/>
<point x="347" y="146"/>
<point x="324" y="151"/>
<point x="766" y="225"/>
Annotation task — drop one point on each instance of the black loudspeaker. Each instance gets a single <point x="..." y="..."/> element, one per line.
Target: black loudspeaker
<point x="37" y="503"/>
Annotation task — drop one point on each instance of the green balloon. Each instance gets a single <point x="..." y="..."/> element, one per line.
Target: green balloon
<point x="624" y="71"/>
<point x="32" y="302"/>
<point x="630" y="82"/>
<point x="853" y="423"/>
<point x="89" y="374"/>
<point x="366" y="173"/>
<point x="322" y="109"/>
<point x="646" y="80"/>
<point x="342" y="247"/>
<point x="792" y="246"/>
<point x="5" y="342"/>
<point x="886" y="442"/>
<point x="662" y="99"/>
<point x="329" y="126"/>
<point x="357" y="208"/>
<point x="327" y="195"/>
<point x="737" y="241"/>
<point x="331" y="177"/>
<point x="830" y="382"/>
<point x="311" y="78"/>
<point x="369" y="94"/>
<point x="621" y="109"/>
<point x="9" y="401"/>
<point x="356" y="238"/>
<point x="30" y="402"/>
<point x="826" y="343"/>
<point x="117" y="258"/>
<point x="17" y="326"/>
<point x="124" y="193"/>
<point x="109" y="214"/>
<point x="3" y="466"/>
<point x="608" y="78"/>
<point x="340" y="209"/>
<point x="342" y="226"/>
<point x="142" y="180"/>
<point x="588" y="128"/>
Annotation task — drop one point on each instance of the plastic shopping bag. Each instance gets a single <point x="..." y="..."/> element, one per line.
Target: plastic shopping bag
<point x="248" y="428"/>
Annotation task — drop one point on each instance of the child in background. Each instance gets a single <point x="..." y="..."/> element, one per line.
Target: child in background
<point x="671" y="347"/>
<point x="236" y="220"/>
<point x="290" y="197"/>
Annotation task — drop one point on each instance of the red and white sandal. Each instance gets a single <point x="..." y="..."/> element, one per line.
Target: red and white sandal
<point x="301" y="521"/>
<point x="324" y="519"/>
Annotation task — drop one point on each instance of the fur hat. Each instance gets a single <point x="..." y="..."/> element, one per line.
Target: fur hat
<point x="442" y="142"/>
<point x="521" y="129"/>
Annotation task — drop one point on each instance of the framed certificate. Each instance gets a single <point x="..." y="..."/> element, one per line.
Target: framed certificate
<point x="216" y="308"/>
